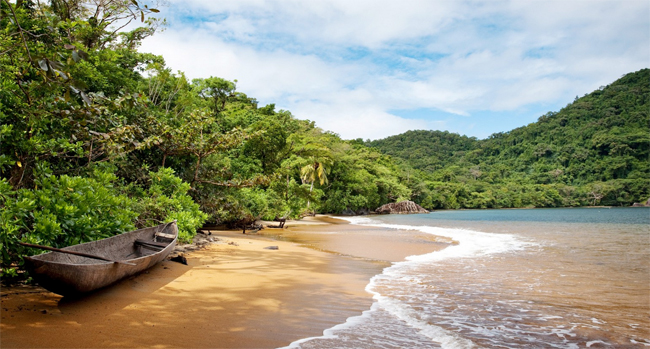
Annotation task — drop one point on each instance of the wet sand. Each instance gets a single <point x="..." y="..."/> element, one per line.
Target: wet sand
<point x="234" y="294"/>
<point x="380" y="244"/>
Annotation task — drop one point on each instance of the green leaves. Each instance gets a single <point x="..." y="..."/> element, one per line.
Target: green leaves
<point x="167" y="199"/>
<point x="62" y="211"/>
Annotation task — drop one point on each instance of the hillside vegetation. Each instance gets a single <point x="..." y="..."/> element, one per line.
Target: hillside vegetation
<point x="595" y="151"/>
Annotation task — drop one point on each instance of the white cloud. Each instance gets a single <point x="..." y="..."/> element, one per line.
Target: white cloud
<point x="345" y="64"/>
<point x="361" y="22"/>
<point x="353" y="121"/>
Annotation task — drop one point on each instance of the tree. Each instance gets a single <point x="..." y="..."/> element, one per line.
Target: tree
<point x="216" y="90"/>
<point x="63" y="83"/>
<point x="313" y="171"/>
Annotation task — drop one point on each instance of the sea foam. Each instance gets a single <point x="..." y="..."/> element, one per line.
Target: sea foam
<point x="469" y="244"/>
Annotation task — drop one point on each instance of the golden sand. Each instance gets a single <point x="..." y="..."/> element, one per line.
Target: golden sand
<point x="234" y="294"/>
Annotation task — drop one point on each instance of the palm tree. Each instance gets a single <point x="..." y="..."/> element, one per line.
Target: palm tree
<point x="311" y="172"/>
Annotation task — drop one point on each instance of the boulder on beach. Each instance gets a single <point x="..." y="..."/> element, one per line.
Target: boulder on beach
<point x="402" y="207"/>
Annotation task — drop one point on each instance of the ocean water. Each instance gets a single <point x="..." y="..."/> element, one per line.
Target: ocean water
<point x="535" y="278"/>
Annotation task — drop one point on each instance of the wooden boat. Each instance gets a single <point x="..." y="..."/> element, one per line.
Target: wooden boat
<point x="82" y="268"/>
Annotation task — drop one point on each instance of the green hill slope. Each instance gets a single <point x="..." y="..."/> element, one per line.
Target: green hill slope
<point x="427" y="150"/>
<point x="596" y="150"/>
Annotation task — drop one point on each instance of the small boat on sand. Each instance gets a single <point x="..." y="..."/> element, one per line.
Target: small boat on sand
<point x="86" y="267"/>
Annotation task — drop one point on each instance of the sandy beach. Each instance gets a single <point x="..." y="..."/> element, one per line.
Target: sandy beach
<point x="233" y="294"/>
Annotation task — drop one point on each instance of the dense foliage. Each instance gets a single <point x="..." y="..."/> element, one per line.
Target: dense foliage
<point x="97" y="138"/>
<point x="595" y="151"/>
<point x="427" y="150"/>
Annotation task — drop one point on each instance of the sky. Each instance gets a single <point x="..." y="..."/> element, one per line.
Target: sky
<point x="372" y="69"/>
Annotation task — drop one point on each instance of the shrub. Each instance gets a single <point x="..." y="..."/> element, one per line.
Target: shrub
<point x="61" y="211"/>
<point x="167" y="199"/>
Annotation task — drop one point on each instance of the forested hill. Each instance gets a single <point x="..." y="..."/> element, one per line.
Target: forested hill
<point x="426" y="150"/>
<point x="599" y="144"/>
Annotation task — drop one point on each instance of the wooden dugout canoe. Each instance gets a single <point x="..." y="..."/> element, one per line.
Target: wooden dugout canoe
<point x="132" y="252"/>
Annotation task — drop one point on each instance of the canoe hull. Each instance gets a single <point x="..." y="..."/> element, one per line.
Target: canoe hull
<point x="70" y="275"/>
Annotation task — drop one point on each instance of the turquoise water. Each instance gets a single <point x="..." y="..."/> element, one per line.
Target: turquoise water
<point x="533" y="278"/>
<point x="614" y="215"/>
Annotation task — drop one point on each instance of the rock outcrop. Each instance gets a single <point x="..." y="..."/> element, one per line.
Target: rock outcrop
<point x="402" y="207"/>
<point x="644" y="204"/>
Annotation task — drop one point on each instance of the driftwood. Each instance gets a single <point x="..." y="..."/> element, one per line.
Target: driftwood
<point x="281" y="220"/>
<point x="403" y="207"/>
<point x="248" y="223"/>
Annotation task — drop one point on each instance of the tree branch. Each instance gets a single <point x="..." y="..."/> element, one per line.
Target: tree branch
<point x="29" y="55"/>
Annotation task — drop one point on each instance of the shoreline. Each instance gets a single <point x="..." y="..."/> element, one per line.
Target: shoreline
<point x="233" y="293"/>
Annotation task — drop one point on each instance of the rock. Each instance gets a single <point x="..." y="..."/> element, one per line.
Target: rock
<point x="363" y="212"/>
<point x="644" y="204"/>
<point x="403" y="207"/>
<point x="360" y="212"/>
<point x="179" y="259"/>
<point x="271" y="248"/>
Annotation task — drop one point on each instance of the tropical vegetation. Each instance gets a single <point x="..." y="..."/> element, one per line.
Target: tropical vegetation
<point x="97" y="138"/>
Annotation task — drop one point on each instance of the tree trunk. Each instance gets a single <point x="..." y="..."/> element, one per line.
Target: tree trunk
<point x="196" y="169"/>
<point x="311" y="187"/>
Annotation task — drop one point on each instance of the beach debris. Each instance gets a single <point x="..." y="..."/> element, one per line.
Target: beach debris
<point x="179" y="259"/>
<point x="402" y="207"/>
<point x="249" y="223"/>
<point x="281" y="220"/>
<point x="271" y="248"/>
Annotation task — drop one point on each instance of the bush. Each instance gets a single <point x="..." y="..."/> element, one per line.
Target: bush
<point x="61" y="211"/>
<point x="165" y="200"/>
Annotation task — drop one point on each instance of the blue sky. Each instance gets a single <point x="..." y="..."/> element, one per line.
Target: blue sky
<point x="371" y="69"/>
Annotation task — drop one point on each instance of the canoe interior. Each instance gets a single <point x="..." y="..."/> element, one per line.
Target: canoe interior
<point x="120" y="248"/>
<point x="68" y="274"/>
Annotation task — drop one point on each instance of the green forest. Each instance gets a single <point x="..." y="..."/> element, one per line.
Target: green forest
<point x="97" y="138"/>
<point x="595" y="151"/>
